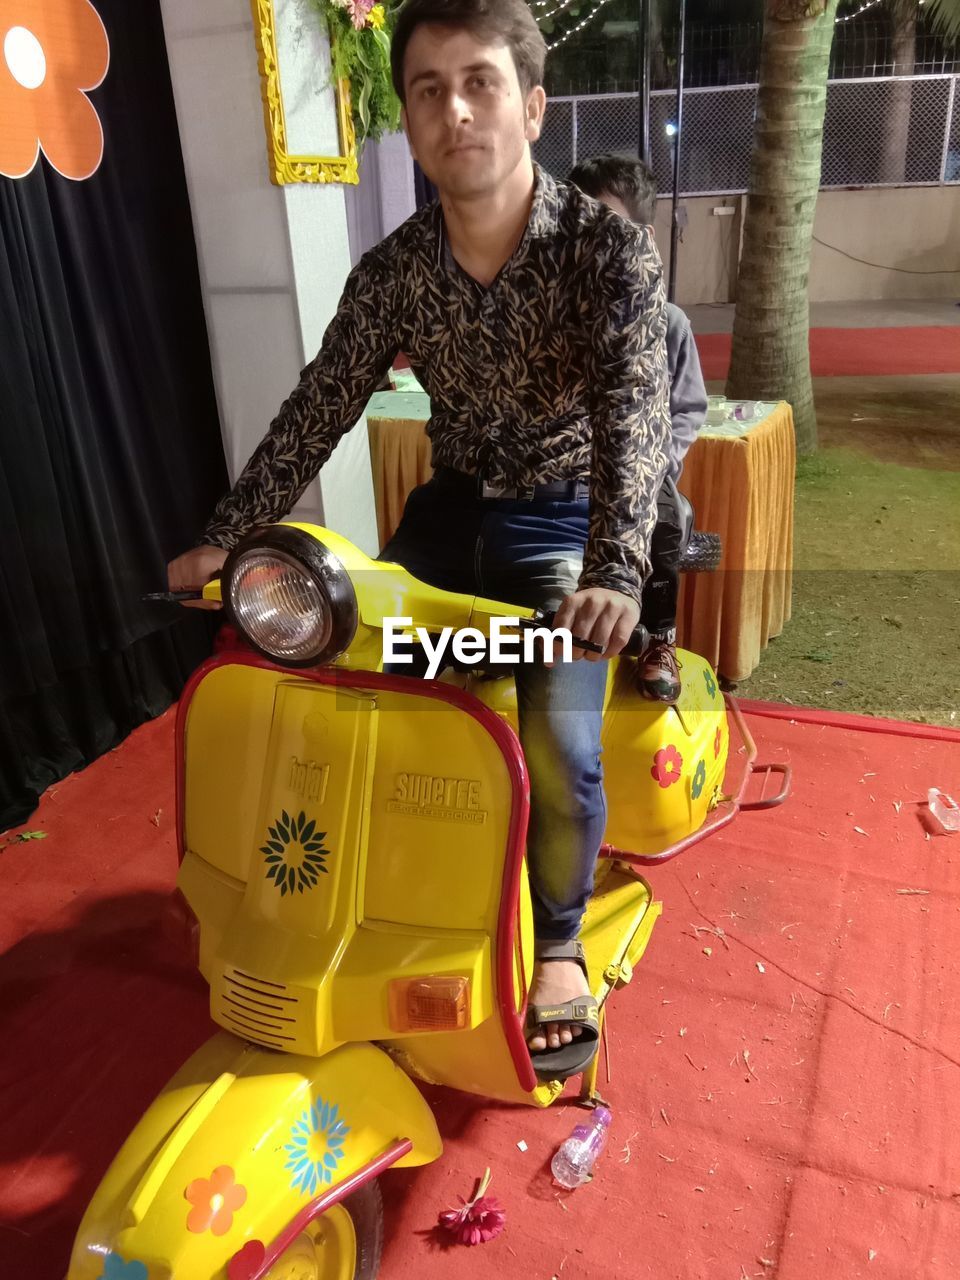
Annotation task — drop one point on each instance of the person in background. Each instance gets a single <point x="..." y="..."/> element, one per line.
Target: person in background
<point x="626" y="185"/>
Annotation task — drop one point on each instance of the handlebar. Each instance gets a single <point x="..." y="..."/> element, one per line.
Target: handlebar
<point x="634" y="648"/>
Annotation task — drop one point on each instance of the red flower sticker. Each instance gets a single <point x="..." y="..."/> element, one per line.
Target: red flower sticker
<point x="246" y="1262"/>
<point x="215" y="1200"/>
<point x="717" y="739"/>
<point x="667" y="764"/>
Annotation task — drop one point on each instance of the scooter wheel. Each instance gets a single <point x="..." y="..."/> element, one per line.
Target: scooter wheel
<point x="345" y="1243"/>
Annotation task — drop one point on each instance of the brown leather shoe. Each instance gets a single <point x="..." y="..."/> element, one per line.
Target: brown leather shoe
<point x="659" y="672"/>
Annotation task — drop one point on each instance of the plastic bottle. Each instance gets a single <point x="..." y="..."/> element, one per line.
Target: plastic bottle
<point x="573" y="1162"/>
<point x="944" y="809"/>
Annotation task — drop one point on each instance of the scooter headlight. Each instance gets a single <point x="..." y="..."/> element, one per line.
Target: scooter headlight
<point x="290" y="597"/>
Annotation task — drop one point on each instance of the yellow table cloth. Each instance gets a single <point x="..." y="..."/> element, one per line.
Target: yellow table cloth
<point x="399" y="452"/>
<point x="741" y="487"/>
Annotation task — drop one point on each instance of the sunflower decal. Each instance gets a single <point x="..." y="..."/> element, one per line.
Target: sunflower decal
<point x="316" y="1146"/>
<point x="294" y="853"/>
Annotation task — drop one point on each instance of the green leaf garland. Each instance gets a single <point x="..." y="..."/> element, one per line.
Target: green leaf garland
<point x="363" y="58"/>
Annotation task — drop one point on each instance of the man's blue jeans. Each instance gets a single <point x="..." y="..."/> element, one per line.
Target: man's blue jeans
<point x="527" y="553"/>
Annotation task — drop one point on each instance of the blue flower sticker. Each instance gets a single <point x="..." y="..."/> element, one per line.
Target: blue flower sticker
<point x="699" y="778"/>
<point x="117" y="1268"/>
<point x="316" y="1146"/>
<point x="710" y="682"/>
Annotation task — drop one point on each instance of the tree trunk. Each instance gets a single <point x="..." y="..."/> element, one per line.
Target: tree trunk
<point x="771" y="354"/>
<point x="893" y="159"/>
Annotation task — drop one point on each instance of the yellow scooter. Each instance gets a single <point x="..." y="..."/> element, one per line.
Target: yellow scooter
<point x="352" y="856"/>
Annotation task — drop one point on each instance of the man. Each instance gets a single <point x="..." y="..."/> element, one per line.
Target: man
<point x="626" y="185"/>
<point x="534" y="318"/>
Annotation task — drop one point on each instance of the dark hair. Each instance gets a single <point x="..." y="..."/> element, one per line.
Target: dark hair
<point x="509" y="21"/>
<point x="625" y="177"/>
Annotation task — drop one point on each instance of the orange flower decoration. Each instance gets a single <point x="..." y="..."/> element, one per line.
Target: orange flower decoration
<point x="215" y="1200"/>
<point x="52" y="52"/>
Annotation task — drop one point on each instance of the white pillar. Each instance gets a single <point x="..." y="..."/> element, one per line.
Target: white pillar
<point x="273" y="260"/>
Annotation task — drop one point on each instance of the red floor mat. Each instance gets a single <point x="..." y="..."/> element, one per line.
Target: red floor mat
<point x="838" y="353"/>
<point x="786" y="1106"/>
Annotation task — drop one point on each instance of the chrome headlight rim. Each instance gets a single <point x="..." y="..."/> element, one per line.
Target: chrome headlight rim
<point x="327" y="573"/>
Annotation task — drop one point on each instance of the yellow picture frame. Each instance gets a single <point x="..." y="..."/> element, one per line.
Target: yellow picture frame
<point x="286" y="168"/>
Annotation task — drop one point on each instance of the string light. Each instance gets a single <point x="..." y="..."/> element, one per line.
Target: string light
<point x="539" y="4"/>
<point x="869" y="4"/>
<point x="541" y="17"/>
<point x="579" y="27"/>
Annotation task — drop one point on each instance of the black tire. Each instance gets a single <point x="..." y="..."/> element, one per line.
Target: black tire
<point x="366" y="1209"/>
<point x="702" y="553"/>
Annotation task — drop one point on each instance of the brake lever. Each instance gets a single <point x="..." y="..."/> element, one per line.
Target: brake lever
<point x="540" y="618"/>
<point x="634" y="647"/>
<point x="175" y="597"/>
<point x="171" y="597"/>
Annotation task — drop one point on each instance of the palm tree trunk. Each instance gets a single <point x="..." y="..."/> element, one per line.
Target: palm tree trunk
<point x="771" y="355"/>
<point x="893" y="160"/>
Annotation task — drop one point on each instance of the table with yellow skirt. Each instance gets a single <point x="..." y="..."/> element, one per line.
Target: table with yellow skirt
<point x="740" y="479"/>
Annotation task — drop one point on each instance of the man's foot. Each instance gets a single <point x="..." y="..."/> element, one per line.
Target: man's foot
<point x="554" y="983"/>
<point x="659" y="672"/>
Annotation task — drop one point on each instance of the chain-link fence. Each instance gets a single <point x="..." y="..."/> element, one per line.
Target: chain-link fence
<point x="888" y="132"/>
<point x="603" y="57"/>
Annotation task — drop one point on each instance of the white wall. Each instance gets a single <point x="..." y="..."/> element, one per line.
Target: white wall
<point x="913" y="233"/>
<point x="385" y="196"/>
<point x="272" y="260"/>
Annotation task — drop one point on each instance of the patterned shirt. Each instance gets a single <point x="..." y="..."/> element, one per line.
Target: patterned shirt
<point x="557" y="371"/>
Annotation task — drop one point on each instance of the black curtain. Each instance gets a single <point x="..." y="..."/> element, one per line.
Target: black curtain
<point x="110" y="449"/>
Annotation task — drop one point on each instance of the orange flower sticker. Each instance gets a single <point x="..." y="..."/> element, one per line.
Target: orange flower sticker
<point x="52" y="53"/>
<point x="215" y="1200"/>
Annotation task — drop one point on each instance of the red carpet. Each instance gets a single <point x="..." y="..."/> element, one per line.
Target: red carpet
<point x="838" y="353"/>
<point x="787" y="1106"/>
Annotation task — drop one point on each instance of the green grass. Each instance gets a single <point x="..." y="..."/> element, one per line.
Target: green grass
<point x="876" y="598"/>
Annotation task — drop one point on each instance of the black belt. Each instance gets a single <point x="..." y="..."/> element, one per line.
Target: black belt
<point x="558" y="490"/>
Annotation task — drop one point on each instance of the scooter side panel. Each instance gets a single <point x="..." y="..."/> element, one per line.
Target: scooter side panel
<point x="239" y="1142"/>
<point x="663" y="765"/>
<point x="439" y="818"/>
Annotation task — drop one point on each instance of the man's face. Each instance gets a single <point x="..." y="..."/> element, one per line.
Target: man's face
<point x="468" y="123"/>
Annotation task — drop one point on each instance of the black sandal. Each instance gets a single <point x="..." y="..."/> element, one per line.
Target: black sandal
<point x="583" y="1011"/>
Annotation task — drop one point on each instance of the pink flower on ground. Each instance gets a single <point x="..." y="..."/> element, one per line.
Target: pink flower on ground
<point x="479" y="1220"/>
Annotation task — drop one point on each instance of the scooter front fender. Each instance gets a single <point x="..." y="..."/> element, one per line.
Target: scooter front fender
<point x="239" y="1145"/>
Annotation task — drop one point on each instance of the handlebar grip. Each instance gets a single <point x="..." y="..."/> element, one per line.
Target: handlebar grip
<point x="634" y="648"/>
<point x="638" y="642"/>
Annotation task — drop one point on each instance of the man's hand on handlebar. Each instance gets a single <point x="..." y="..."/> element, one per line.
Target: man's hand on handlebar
<point x="606" y="617"/>
<point x="193" y="570"/>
